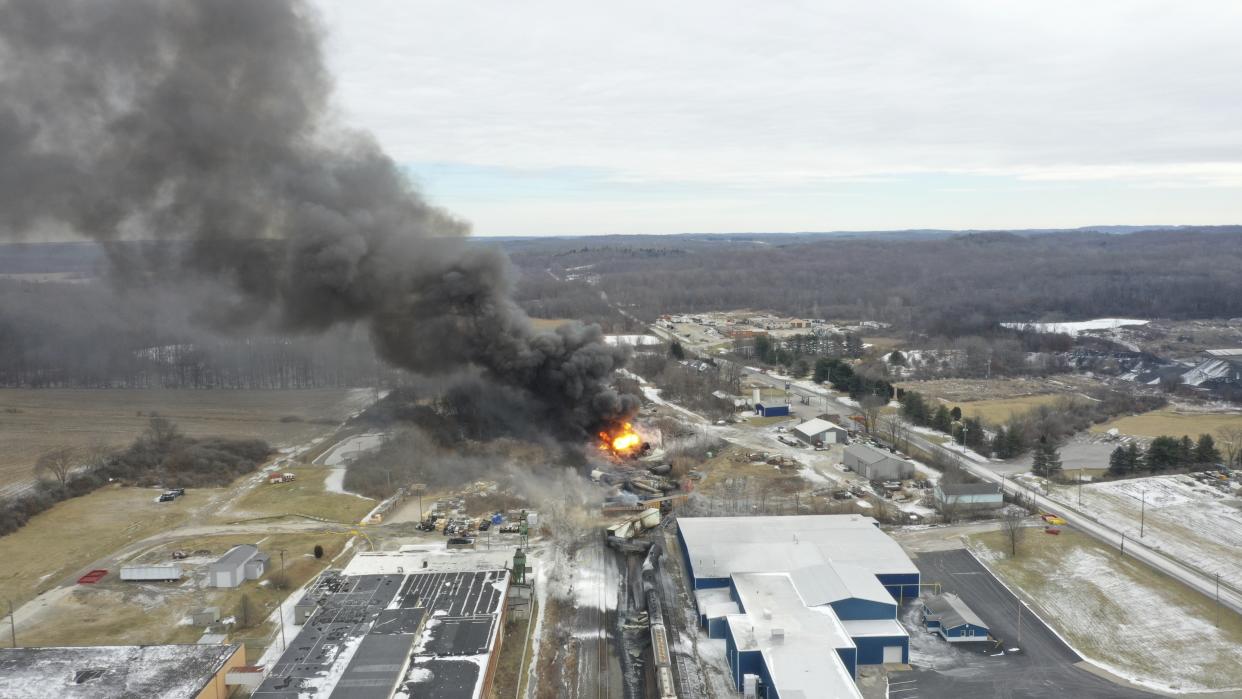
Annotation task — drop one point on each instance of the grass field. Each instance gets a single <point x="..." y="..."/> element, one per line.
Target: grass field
<point x="1121" y="614"/>
<point x="999" y="411"/>
<point x="34" y="421"/>
<point x="1172" y="422"/>
<point x="305" y="496"/>
<point x="69" y="536"/>
<point x="114" y="612"/>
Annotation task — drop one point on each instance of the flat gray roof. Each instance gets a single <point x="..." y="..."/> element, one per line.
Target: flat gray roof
<point x="236" y="556"/>
<point x="110" y="672"/>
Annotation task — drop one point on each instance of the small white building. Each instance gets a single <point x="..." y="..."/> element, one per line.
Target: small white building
<point x="241" y="563"/>
<point x="820" y="431"/>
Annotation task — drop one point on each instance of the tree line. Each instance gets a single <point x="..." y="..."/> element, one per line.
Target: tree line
<point x="161" y="456"/>
<point x="947" y="287"/>
<point x="1165" y="453"/>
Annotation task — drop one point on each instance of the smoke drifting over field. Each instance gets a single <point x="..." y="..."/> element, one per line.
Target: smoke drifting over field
<point x="206" y="125"/>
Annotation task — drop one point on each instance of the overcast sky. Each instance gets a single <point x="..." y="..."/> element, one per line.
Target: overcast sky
<point x="549" y="117"/>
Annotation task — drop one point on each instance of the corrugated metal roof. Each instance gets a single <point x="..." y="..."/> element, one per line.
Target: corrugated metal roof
<point x="867" y="453"/>
<point x="951" y="611"/>
<point x="815" y="426"/>
<point x="236" y="556"/>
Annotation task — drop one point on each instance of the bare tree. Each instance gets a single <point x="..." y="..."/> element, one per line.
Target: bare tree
<point x="870" y="407"/>
<point x="1013" y="521"/>
<point x="57" y="464"/>
<point x="897" y="431"/>
<point x="1231" y="440"/>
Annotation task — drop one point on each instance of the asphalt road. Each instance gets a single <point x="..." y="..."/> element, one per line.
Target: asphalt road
<point x="1230" y="591"/>
<point x="1044" y="667"/>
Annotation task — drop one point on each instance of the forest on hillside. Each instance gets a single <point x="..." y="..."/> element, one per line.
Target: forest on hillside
<point x="942" y="286"/>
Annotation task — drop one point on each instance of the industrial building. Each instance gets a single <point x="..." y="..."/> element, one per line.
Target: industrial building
<point x="963" y="497"/>
<point x="819" y="431"/>
<point x="948" y="616"/>
<point x="241" y="563"/>
<point x="877" y="465"/>
<point x="800" y="602"/>
<point x="419" y="622"/>
<point x="107" y="672"/>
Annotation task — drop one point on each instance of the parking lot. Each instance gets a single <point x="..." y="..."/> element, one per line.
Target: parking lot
<point x="1042" y="667"/>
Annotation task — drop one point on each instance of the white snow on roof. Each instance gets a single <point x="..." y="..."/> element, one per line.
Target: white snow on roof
<point x="1235" y="353"/>
<point x="721" y="546"/>
<point x="708" y="596"/>
<point x="802" y="656"/>
<point x="127" y="671"/>
<point x="825" y="584"/>
<point x="815" y="426"/>
<point x="1209" y="369"/>
<point x="427" y="559"/>
<point x="860" y="628"/>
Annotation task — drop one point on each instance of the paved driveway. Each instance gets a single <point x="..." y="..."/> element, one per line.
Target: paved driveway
<point x="1044" y="667"/>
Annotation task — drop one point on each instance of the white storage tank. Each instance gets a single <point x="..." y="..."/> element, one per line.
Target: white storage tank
<point x="169" y="571"/>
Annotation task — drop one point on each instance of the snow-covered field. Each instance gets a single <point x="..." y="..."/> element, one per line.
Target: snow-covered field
<point x="1073" y="328"/>
<point x="1121" y="615"/>
<point x="1185" y="518"/>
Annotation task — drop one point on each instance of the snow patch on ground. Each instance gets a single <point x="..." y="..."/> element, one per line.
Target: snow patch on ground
<point x="1075" y="327"/>
<point x="1184" y="518"/>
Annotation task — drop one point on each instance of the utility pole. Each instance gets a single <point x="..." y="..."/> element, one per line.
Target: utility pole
<point x="280" y="602"/>
<point x="1143" y="514"/>
<point x="1123" y="544"/>
<point x="13" y="619"/>
<point x="1079" y="486"/>
<point x="1019" y="623"/>
<point x="1219" y="611"/>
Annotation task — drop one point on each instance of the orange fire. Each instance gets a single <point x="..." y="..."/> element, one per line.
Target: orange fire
<point x="623" y="441"/>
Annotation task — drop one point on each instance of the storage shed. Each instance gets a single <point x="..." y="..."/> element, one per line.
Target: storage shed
<point x="876" y="465"/>
<point x="949" y="616"/>
<point x="968" y="496"/>
<point x="241" y="563"/>
<point x="771" y="410"/>
<point x="820" y="431"/>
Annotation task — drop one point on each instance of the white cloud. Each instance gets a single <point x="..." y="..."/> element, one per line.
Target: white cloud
<point x="755" y="94"/>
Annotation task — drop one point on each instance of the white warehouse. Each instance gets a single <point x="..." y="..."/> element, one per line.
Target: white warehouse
<point x="241" y="563"/>
<point x="819" y="432"/>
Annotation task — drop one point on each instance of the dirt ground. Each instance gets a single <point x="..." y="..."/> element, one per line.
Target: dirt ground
<point x="304" y="496"/>
<point x="56" y="543"/>
<point x="33" y="421"/>
<point x="117" y="612"/>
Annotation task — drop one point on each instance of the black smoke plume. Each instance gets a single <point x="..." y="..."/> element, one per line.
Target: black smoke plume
<point x="204" y="125"/>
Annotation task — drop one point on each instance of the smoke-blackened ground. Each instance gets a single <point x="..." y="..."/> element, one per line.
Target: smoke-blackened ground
<point x="205" y="128"/>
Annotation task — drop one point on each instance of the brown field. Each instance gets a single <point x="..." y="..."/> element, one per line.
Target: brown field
<point x="1169" y="421"/>
<point x="33" y="421"/>
<point x="67" y="538"/>
<point x="959" y="391"/>
<point x="116" y="612"/>
<point x="998" y="411"/>
<point x="304" y="496"/>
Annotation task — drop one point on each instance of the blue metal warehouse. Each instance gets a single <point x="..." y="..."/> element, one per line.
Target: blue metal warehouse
<point x="779" y="576"/>
<point x="771" y="410"/>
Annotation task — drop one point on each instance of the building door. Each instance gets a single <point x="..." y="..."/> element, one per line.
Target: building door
<point x="892" y="654"/>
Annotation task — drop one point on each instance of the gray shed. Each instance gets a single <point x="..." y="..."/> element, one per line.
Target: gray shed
<point x="819" y="431"/>
<point x="876" y="465"/>
<point x="241" y="563"/>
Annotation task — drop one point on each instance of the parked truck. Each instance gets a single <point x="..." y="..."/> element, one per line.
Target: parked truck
<point x="151" y="573"/>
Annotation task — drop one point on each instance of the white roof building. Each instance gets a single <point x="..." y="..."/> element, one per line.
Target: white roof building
<point x="808" y="597"/>
<point x="819" y="430"/>
<point x="792" y="640"/>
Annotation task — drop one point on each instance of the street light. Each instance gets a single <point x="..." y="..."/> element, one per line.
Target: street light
<point x="13" y="619"/>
